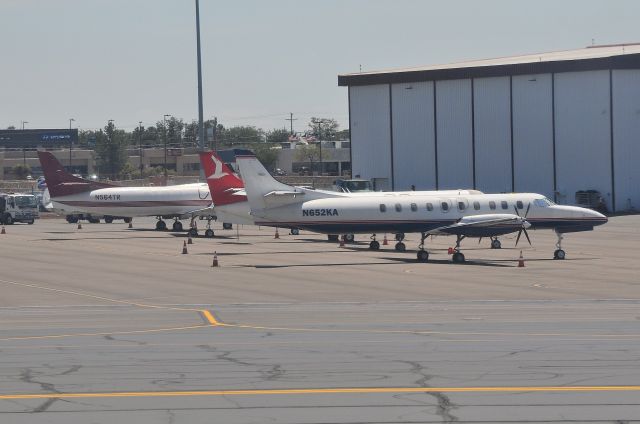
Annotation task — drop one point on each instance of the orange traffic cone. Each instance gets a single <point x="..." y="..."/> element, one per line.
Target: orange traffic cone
<point x="450" y="251"/>
<point x="215" y="260"/>
<point x="385" y="242"/>
<point x="521" y="261"/>
<point x="79" y="225"/>
<point x="342" y="241"/>
<point x="130" y="224"/>
<point x="189" y="240"/>
<point x="184" y="248"/>
<point x="3" y="231"/>
<point x="277" y="235"/>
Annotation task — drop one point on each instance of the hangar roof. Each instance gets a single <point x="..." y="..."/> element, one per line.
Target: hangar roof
<point x="618" y="56"/>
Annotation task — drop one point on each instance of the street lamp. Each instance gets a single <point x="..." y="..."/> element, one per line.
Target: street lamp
<point x="140" y="146"/>
<point x="111" y="157"/>
<point x="24" y="122"/>
<point x="70" y="143"/>
<point x="164" y="119"/>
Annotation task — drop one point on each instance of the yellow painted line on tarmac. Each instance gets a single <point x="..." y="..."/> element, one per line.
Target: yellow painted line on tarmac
<point x="210" y="318"/>
<point x="323" y="391"/>
<point x="106" y="333"/>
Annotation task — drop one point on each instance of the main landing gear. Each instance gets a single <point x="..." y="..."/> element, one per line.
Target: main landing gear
<point x="495" y="243"/>
<point x="559" y="253"/>
<point x="177" y="225"/>
<point x="423" y="255"/>
<point x="374" y="244"/>
<point x="457" y="256"/>
<point x="400" y="246"/>
<point x="161" y="225"/>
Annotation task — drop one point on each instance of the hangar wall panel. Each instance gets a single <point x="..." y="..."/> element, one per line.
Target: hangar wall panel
<point x="453" y="116"/>
<point x="583" y="138"/>
<point x="370" y="131"/>
<point x="413" y="136"/>
<point x="492" y="111"/>
<point x="533" y="134"/>
<point x="626" y="138"/>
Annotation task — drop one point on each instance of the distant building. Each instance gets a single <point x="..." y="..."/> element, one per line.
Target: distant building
<point x="553" y="123"/>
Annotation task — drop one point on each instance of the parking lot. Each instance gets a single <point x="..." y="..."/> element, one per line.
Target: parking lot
<point x="107" y="323"/>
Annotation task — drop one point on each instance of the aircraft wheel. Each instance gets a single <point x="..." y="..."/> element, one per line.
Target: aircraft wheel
<point x="400" y="246"/>
<point x="8" y="219"/>
<point x="161" y="225"/>
<point x="30" y="222"/>
<point x="423" y="256"/>
<point x="127" y="220"/>
<point x="374" y="245"/>
<point x="349" y="238"/>
<point x="208" y="233"/>
<point x="177" y="226"/>
<point x="495" y="244"/>
<point x="193" y="232"/>
<point x="108" y="219"/>
<point x="559" y="254"/>
<point x="457" y="258"/>
<point x="399" y="236"/>
<point x="93" y="220"/>
<point x="227" y="226"/>
<point x="295" y="231"/>
<point x="72" y="219"/>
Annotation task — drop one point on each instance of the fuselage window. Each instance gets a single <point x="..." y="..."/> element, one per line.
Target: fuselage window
<point x="383" y="207"/>
<point x="476" y="206"/>
<point x="492" y="205"/>
<point x="444" y="206"/>
<point x="504" y="204"/>
<point x="519" y="204"/>
<point x="462" y="206"/>
<point x="429" y="206"/>
<point x="414" y="207"/>
<point x="398" y="207"/>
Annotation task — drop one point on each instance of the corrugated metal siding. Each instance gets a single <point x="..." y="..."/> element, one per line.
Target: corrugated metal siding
<point x="583" y="138"/>
<point x="455" y="162"/>
<point x="626" y="138"/>
<point x="370" y="131"/>
<point x="413" y="136"/>
<point x="533" y="134"/>
<point x="492" y="109"/>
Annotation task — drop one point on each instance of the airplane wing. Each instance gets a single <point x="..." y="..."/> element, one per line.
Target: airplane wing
<point x="483" y="226"/>
<point x="208" y="211"/>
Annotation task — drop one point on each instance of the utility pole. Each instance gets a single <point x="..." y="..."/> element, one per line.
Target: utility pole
<point x="70" y="144"/>
<point x="291" y="119"/>
<point x="164" y="120"/>
<point x="140" y="147"/>
<point x="200" y="111"/>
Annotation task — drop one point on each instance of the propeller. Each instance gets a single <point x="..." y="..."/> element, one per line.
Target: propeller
<point x="523" y="229"/>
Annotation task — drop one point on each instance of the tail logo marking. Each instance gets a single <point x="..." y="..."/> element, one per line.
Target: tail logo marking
<point x="217" y="173"/>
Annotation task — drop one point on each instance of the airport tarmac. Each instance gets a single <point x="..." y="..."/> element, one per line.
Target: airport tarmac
<point x="105" y="324"/>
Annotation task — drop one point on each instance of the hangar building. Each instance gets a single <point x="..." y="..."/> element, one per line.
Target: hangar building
<point x="551" y="123"/>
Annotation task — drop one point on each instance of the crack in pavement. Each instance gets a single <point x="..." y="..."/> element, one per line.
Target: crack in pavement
<point x="26" y="375"/>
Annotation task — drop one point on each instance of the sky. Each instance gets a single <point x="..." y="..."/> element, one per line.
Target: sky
<point x="135" y="60"/>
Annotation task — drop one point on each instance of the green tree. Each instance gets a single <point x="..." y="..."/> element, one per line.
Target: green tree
<point x="309" y="153"/>
<point x="21" y="171"/>
<point x="266" y="154"/>
<point x="111" y="150"/>
<point x="174" y="127"/>
<point x="239" y="135"/>
<point x="324" y="128"/>
<point x="278" y="136"/>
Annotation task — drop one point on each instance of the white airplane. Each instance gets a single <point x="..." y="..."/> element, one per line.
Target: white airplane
<point x="70" y="194"/>
<point x="434" y="213"/>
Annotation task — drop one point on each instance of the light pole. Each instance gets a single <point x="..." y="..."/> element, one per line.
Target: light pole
<point x="140" y="147"/>
<point x="24" y="122"/>
<point x="70" y="143"/>
<point x="111" y="155"/>
<point x="164" y="120"/>
<point x="24" y="152"/>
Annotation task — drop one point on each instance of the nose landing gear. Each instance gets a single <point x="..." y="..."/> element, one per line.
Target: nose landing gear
<point x="457" y="256"/>
<point x="375" y="244"/>
<point x="423" y="255"/>
<point x="559" y="253"/>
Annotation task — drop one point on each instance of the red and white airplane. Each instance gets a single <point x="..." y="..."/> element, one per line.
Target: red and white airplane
<point x="70" y="195"/>
<point x="470" y="214"/>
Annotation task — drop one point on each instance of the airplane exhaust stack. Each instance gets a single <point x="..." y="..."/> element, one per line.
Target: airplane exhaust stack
<point x="214" y="264"/>
<point x="184" y="248"/>
<point x="521" y="261"/>
<point x="277" y="236"/>
<point x="385" y="242"/>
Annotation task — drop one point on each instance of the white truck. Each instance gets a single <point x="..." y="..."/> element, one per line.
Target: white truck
<point x="16" y="207"/>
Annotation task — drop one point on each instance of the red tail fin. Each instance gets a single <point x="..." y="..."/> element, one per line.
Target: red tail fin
<point x="223" y="183"/>
<point x="60" y="182"/>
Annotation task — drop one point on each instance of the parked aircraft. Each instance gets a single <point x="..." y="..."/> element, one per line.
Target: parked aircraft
<point x="463" y="215"/>
<point x="71" y="194"/>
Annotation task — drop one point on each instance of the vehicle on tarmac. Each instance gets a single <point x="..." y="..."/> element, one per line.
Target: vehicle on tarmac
<point x="15" y="207"/>
<point x="473" y="214"/>
<point x="90" y="199"/>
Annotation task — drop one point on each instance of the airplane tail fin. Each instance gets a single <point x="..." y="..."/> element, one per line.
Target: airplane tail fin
<point x="224" y="185"/>
<point x="60" y="182"/>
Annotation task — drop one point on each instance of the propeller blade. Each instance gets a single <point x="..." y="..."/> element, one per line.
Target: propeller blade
<point x="479" y="240"/>
<point x="519" y="234"/>
<point x="526" y="235"/>
<point x="516" y="209"/>
<point x="527" y="212"/>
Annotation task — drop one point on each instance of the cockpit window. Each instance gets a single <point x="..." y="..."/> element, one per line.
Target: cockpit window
<point x="543" y="203"/>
